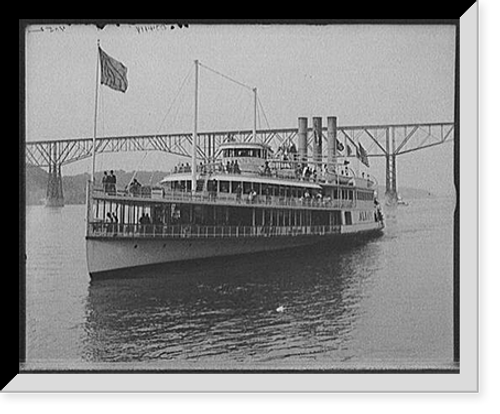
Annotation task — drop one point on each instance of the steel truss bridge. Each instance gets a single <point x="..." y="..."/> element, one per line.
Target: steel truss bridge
<point x="387" y="141"/>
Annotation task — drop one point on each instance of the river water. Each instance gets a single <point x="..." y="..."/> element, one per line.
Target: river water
<point x="383" y="303"/>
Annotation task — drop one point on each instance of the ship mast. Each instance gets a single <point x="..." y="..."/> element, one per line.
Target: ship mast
<point x="254" y="114"/>
<point x="197" y="65"/>
<point x="195" y="129"/>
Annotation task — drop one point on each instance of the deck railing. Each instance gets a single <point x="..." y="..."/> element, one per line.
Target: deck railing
<point x="116" y="230"/>
<point x="225" y="198"/>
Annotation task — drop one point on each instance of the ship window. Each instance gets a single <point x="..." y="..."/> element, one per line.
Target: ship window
<point x="273" y="190"/>
<point x="247" y="187"/>
<point x="234" y="186"/>
<point x="348" y="218"/>
<point x="224" y="186"/>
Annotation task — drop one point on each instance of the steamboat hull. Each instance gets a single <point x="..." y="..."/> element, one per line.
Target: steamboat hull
<point x="108" y="257"/>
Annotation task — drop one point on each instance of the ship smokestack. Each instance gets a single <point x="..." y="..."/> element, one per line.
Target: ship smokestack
<point x="318" y="140"/>
<point x="302" y="147"/>
<point x="332" y="138"/>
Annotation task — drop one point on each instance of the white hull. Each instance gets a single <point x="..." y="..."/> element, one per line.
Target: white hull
<point x="108" y="254"/>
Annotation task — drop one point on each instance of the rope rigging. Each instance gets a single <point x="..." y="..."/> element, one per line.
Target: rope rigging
<point x="259" y="113"/>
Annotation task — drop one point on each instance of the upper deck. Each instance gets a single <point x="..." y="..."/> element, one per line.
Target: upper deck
<point x="257" y="163"/>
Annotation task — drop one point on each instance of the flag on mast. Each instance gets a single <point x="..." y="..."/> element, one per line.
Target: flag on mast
<point x="113" y="72"/>
<point x="362" y="155"/>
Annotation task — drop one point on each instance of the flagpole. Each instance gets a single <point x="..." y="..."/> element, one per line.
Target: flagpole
<point x="254" y="132"/>
<point x="195" y="129"/>
<point x="95" y="111"/>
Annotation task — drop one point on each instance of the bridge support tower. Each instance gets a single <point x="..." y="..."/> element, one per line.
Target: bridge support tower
<point x="391" y="192"/>
<point x="55" y="197"/>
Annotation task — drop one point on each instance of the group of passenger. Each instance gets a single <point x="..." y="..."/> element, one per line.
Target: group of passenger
<point x="233" y="167"/>
<point x="134" y="187"/>
<point x="182" y="168"/>
<point x="109" y="182"/>
<point x="287" y="153"/>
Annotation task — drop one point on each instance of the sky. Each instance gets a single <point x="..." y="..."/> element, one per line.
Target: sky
<point x="363" y="74"/>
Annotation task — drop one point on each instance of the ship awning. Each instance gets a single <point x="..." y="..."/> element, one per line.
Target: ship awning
<point x="245" y="178"/>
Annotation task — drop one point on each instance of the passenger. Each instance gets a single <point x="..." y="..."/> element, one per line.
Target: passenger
<point x="112" y="182"/>
<point x="239" y="190"/>
<point x="228" y="167"/>
<point x="105" y="181"/>
<point x="135" y="187"/>
<point x="267" y="169"/>
<point x="109" y="223"/>
<point x="252" y="194"/>
<point x="305" y="172"/>
<point x="237" y="167"/>
<point x="268" y="195"/>
<point x="213" y="189"/>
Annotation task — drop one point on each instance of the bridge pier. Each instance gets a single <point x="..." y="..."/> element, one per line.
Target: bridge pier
<point x="391" y="192"/>
<point x="55" y="196"/>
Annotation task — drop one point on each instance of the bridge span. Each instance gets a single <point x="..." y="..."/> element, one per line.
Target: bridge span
<point x="388" y="141"/>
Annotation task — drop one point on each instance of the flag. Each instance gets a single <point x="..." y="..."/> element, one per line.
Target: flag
<point x="113" y="73"/>
<point x="362" y="155"/>
<point x="340" y="146"/>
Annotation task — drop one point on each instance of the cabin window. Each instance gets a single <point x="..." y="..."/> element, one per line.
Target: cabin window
<point x="348" y="218"/>
<point x="247" y="187"/>
<point x="273" y="189"/>
<point x="234" y="186"/>
<point x="258" y="188"/>
<point x="224" y="186"/>
<point x="337" y="219"/>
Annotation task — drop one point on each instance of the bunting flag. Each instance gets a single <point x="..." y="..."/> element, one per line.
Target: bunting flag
<point x="340" y="146"/>
<point x="362" y="154"/>
<point x="113" y="73"/>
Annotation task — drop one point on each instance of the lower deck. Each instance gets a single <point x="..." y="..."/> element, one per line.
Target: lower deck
<point x="116" y="216"/>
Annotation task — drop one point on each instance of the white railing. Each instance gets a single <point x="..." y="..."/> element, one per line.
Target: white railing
<point x="225" y="198"/>
<point x="117" y="230"/>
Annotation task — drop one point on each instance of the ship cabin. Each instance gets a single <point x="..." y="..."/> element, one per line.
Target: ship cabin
<point x="249" y="191"/>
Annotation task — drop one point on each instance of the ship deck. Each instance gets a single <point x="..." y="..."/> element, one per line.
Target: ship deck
<point x="226" y="199"/>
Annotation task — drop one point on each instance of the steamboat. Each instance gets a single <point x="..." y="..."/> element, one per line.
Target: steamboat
<point x="249" y="198"/>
